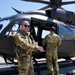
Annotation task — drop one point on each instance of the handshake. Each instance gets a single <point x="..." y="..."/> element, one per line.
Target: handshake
<point x="40" y="48"/>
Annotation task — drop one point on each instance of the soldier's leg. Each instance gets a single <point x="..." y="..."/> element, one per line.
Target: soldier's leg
<point x="49" y="63"/>
<point x="56" y="68"/>
<point x="31" y="68"/>
<point x="23" y="65"/>
<point x="55" y="63"/>
<point x="50" y="69"/>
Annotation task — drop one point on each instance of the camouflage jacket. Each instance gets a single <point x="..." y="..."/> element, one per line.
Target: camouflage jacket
<point x="24" y="45"/>
<point x="51" y="41"/>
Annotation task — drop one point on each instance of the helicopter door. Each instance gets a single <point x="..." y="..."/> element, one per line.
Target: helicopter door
<point x="7" y="42"/>
<point x="6" y="45"/>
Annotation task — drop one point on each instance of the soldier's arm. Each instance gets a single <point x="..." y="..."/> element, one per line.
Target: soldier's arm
<point x="33" y="47"/>
<point x="44" y="41"/>
<point x="25" y="45"/>
<point x="20" y="43"/>
<point x="59" y="41"/>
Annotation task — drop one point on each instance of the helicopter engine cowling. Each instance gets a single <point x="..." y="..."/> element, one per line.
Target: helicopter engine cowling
<point x="62" y="15"/>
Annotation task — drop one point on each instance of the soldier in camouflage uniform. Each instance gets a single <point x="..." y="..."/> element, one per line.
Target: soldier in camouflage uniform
<point x="51" y="41"/>
<point x="24" y="48"/>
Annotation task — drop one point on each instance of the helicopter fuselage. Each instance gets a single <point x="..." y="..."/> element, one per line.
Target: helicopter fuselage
<point x="41" y="23"/>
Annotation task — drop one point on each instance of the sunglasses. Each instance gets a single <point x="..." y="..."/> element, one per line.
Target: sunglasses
<point x="26" y="26"/>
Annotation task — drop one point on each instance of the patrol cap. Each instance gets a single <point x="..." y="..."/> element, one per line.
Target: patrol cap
<point x="52" y="28"/>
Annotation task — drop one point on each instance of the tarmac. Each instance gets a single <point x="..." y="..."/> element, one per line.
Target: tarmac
<point x="65" y="67"/>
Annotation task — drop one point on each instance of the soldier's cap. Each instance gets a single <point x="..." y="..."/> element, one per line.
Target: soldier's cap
<point x="53" y="28"/>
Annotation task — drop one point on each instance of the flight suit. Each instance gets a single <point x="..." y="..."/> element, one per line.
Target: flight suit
<point x="51" y="41"/>
<point x="24" y="48"/>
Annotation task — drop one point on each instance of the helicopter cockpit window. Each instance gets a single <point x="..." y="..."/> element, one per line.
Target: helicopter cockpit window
<point x="15" y="28"/>
<point x="44" y="33"/>
<point x="13" y="31"/>
<point x="66" y="33"/>
<point x="36" y="30"/>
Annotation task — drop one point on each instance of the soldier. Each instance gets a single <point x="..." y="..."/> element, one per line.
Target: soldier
<point x="51" y="41"/>
<point x="24" y="48"/>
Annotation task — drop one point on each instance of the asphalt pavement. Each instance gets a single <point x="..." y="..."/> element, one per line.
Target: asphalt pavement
<point x="65" y="67"/>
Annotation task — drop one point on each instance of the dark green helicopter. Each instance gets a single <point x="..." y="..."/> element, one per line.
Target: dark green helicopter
<point x="41" y="20"/>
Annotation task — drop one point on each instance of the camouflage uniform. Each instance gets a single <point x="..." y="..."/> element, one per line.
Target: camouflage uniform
<point x="51" y="41"/>
<point x="24" y="48"/>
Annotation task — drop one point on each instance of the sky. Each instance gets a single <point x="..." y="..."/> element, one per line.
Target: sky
<point x="6" y="7"/>
<point x="6" y="10"/>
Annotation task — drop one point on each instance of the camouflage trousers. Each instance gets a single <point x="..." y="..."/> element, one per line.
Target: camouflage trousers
<point x="52" y="63"/>
<point x="25" y="66"/>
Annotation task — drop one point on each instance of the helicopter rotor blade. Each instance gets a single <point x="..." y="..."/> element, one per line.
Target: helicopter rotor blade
<point x="38" y="1"/>
<point x="19" y="12"/>
<point x="16" y="10"/>
<point x="70" y="2"/>
<point x="45" y="7"/>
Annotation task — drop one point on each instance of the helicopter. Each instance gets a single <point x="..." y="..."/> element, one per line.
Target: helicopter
<point x="42" y="20"/>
